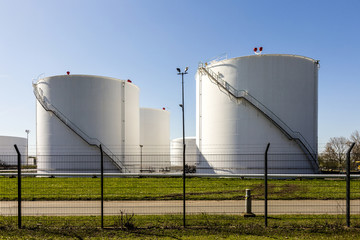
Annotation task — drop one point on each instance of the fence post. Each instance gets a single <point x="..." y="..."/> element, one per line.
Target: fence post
<point x="266" y="184"/>
<point x="184" y="186"/>
<point x="102" y="187"/>
<point x="19" y="184"/>
<point x="348" y="185"/>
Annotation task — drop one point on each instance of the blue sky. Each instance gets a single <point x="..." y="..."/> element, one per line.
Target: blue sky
<point x="146" y="41"/>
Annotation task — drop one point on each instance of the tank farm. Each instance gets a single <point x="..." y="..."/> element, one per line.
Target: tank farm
<point x="242" y="104"/>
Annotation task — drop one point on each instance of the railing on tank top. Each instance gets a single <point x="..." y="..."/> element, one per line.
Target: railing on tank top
<point x="292" y="135"/>
<point x="89" y="140"/>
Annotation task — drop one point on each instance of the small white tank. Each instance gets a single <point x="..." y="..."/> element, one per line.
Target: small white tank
<point x="191" y="152"/>
<point x="246" y="102"/>
<point x="154" y="140"/>
<point x="77" y="113"/>
<point x="8" y="154"/>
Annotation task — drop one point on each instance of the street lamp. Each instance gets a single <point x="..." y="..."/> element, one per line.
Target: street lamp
<point x="184" y="145"/>
<point x="27" y="146"/>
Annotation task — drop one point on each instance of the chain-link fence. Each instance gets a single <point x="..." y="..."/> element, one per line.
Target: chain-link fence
<point x="87" y="188"/>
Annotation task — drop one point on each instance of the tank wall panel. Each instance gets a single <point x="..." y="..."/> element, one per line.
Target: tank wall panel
<point x="155" y="138"/>
<point x="285" y="84"/>
<point x="191" y="152"/>
<point x="96" y="105"/>
<point x="8" y="154"/>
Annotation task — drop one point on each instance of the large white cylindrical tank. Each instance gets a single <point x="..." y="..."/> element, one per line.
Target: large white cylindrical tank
<point x="85" y="111"/>
<point x="8" y="154"/>
<point x="154" y="140"/>
<point x="191" y="152"/>
<point x="246" y="102"/>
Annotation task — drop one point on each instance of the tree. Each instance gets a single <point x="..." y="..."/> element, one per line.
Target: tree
<point x="334" y="155"/>
<point x="325" y="163"/>
<point x="355" y="153"/>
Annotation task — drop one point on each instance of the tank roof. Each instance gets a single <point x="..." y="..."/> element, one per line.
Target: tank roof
<point x="186" y="138"/>
<point x="153" y="109"/>
<point x="85" y="76"/>
<point x="268" y="55"/>
<point x="8" y="137"/>
<point x="283" y="55"/>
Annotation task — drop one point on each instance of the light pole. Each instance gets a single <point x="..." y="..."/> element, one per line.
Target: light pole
<point x="184" y="145"/>
<point x="141" y="146"/>
<point x="27" y="146"/>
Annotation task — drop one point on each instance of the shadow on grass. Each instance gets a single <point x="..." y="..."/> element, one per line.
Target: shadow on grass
<point x="170" y="227"/>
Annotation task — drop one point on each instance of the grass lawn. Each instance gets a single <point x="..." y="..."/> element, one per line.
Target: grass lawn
<point x="171" y="189"/>
<point x="170" y="227"/>
<point x="200" y="226"/>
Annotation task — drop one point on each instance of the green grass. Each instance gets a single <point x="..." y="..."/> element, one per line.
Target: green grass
<point x="170" y="227"/>
<point x="171" y="189"/>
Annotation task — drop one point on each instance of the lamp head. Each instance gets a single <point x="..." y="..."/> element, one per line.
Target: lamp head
<point x="187" y="68"/>
<point x="178" y="69"/>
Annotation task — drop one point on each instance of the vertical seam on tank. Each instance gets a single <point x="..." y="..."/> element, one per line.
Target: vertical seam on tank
<point x="36" y="126"/>
<point x="317" y="105"/>
<point x="200" y="110"/>
<point x="123" y="122"/>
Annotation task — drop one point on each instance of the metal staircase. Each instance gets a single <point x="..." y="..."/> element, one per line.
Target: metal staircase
<point x="91" y="141"/>
<point x="242" y="94"/>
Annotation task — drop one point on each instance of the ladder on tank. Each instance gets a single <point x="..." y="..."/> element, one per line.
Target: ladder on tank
<point x="91" y="141"/>
<point x="243" y="94"/>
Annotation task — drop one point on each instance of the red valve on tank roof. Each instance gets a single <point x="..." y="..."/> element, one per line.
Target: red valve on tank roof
<point x="260" y="50"/>
<point x="129" y="81"/>
<point x="163" y="108"/>
<point x="68" y="73"/>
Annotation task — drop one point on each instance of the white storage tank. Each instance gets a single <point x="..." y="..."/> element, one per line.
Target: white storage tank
<point x="191" y="152"/>
<point x="77" y="113"/>
<point x="246" y="102"/>
<point x="154" y="140"/>
<point x="8" y="154"/>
